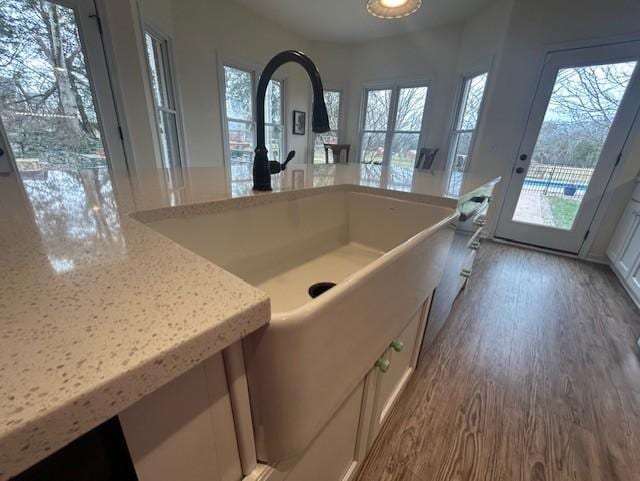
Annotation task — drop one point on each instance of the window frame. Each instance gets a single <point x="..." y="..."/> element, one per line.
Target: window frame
<point x="395" y="88"/>
<point x="255" y="73"/>
<point x="341" y="122"/>
<point x="456" y="117"/>
<point x="172" y="94"/>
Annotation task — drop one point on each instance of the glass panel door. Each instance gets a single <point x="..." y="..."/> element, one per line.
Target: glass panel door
<point x="579" y="121"/>
<point x="581" y="110"/>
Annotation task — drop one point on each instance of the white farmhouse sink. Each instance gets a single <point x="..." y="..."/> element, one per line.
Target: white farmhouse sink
<point x="386" y="255"/>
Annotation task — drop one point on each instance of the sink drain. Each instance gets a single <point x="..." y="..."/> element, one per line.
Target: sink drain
<point x="320" y="288"/>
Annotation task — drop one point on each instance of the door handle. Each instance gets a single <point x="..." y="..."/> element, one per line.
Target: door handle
<point x="519" y="170"/>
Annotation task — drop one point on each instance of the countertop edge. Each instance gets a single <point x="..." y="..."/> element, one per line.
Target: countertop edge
<point x="41" y="436"/>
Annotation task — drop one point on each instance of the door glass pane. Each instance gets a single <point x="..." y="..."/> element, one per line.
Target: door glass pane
<point x="378" y="106"/>
<point x="410" y="109"/>
<point x="581" y="109"/>
<point x="372" y="151"/>
<point x="46" y="101"/>
<point x="404" y="148"/>
<point x="473" y="98"/>
<point x="241" y="141"/>
<point x="238" y="93"/>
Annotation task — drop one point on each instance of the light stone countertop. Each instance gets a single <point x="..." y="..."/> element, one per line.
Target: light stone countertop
<point x="97" y="310"/>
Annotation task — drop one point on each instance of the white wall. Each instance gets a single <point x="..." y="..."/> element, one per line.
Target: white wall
<point x="442" y="55"/>
<point x="536" y="26"/>
<point x="429" y="55"/>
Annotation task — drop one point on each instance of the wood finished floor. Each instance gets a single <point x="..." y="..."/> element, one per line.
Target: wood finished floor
<point x="534" y="377"/>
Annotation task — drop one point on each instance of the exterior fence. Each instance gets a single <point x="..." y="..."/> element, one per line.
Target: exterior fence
<point x="557" y="180"/>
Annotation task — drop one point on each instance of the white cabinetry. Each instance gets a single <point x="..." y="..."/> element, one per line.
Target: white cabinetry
<point x="402" y="357"/>
<point x="338" y="450"/>
<point x="188" y="429"/>
<point x="624" y="249"/>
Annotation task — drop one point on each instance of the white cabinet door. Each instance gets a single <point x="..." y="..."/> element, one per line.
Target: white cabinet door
<point x="624" y="248"/>
<point x="184" y="431"/>
<point x="389" y="384"/>
<point x="332" y="455"/>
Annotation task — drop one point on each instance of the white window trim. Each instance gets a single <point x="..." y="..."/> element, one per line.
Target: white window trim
<point x="455" y="113"/>
<point x="172" y="88"/>
<point x="341" y="119"/>
<point x="395" y="86"/>
<point x="223" y="60"/>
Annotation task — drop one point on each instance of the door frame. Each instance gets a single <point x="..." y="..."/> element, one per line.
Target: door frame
<point x="580" y="54"/>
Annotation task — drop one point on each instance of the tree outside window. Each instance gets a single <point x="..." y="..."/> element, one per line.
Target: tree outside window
<point x="332" y="99"/>
<point x="45" y="91"/>
<point x="239" y="97"/>
<point x="392" y="125"/>
<point x="461" y="138"/>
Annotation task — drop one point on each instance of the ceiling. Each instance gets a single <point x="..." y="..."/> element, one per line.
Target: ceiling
<point x="347" y="21"/>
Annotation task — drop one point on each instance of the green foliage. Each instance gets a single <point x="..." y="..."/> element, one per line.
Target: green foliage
<point x="563" y="210"/>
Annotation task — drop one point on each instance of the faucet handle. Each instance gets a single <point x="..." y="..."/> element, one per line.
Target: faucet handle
<point x="276" y="167"/>
<point x="290" y="156"/>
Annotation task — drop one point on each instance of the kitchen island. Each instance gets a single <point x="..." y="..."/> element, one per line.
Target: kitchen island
<point x="98" y="311"/>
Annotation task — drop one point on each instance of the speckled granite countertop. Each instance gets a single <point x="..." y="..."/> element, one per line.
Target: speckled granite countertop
<point x="97" y="310"/>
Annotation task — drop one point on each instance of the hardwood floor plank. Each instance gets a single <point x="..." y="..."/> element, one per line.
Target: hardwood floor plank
<point x="535" y="376"/>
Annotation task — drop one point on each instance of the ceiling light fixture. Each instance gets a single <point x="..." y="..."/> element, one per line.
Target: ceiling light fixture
<point x="393" y="8"/>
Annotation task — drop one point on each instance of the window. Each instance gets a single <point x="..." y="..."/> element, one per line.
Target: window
<point x="163" y="98"/>
<point x="333" y="100"/>
<point x="463" y="130"/>
<point x="239" y="100"/>
<point x="392" y="124"/>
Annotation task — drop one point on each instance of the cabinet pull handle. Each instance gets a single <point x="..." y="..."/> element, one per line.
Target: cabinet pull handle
<point x="383" y="364"/>
<point x="397" y="345"/>
<point x="466" y="273"/>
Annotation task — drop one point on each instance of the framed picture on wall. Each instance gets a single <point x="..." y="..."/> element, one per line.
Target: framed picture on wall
<point x="299" y="122"/>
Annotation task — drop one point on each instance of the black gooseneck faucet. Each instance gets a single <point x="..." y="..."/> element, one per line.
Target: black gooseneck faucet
<point x="262" y="167"/>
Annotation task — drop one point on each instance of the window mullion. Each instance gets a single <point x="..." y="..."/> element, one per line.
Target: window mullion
<point x="391" y="125"/>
